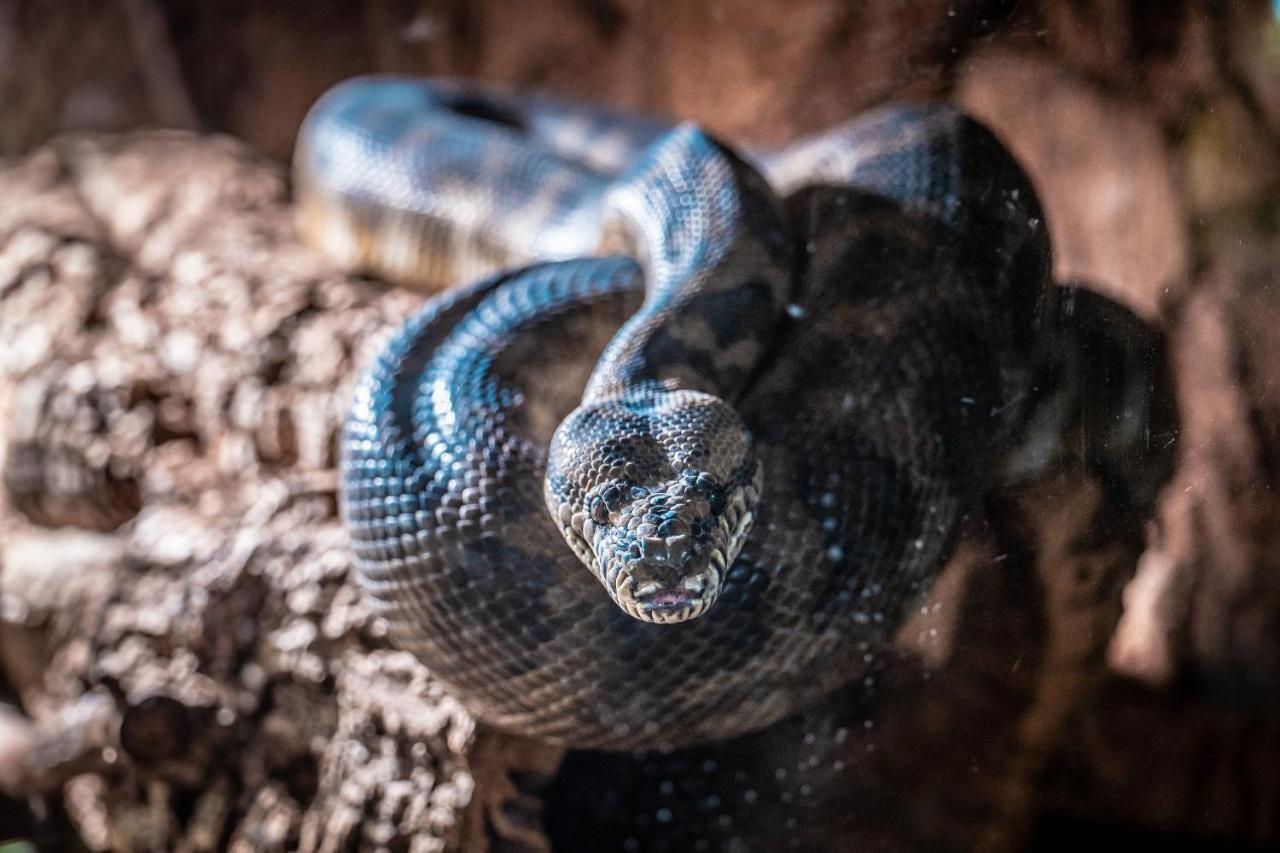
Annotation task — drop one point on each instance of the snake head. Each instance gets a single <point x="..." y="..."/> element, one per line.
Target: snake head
<point x="656" y="494"/>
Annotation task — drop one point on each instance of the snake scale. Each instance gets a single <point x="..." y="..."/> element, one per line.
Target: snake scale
<point x="706" y="424"/>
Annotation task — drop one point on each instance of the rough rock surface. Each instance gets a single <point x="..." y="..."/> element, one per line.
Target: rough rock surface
<point x="185" y="364"/>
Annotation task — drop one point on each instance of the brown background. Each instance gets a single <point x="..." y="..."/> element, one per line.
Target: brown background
<point x="1117" y="676"/>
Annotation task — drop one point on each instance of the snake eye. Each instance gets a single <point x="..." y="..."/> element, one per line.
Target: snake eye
<point x="716" y="501"/>
<point x="599" y="512"/>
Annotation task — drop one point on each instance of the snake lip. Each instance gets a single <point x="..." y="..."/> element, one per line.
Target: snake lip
<point x="687" y="596"/>
<point x="665" y="600"/>
<point x="670" y="604"/>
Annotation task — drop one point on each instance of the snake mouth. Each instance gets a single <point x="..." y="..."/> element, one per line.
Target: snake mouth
<point x="676" y="600"/>
<point x="665" y="600"/>
<point x="673" y="603"/>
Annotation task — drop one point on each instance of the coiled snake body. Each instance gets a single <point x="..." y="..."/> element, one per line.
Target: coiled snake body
<point x="794" y="384"/>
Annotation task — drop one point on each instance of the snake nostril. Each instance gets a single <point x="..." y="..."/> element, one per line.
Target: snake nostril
<point x="673" y="527"/>
<point x="654" y="549"/>
<point x="678" y="547"/>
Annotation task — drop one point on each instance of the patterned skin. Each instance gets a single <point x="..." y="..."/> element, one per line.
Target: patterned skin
<point x="756" y="414"/>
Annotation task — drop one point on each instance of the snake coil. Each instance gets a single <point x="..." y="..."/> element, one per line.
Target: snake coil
<point x="690" y="464"/>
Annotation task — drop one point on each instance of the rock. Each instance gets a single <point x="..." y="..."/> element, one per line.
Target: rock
<point x="1103" y="174"/>
<point x="214" y="643"/>
<point x="1206" y="603"/>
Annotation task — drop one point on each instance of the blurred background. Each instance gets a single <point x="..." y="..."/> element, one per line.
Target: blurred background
<point x="1118" y="679"/>
<point x="1173" y="105"/>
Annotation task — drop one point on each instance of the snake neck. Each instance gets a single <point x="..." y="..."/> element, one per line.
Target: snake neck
<point x="710" y="236"/>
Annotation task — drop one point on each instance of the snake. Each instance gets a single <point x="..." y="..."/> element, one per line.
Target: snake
<point x="693" y="428"/>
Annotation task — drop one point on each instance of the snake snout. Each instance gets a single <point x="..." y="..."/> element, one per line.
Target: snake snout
<point x="668" y="591"/>
<point x="671" y="560"/>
